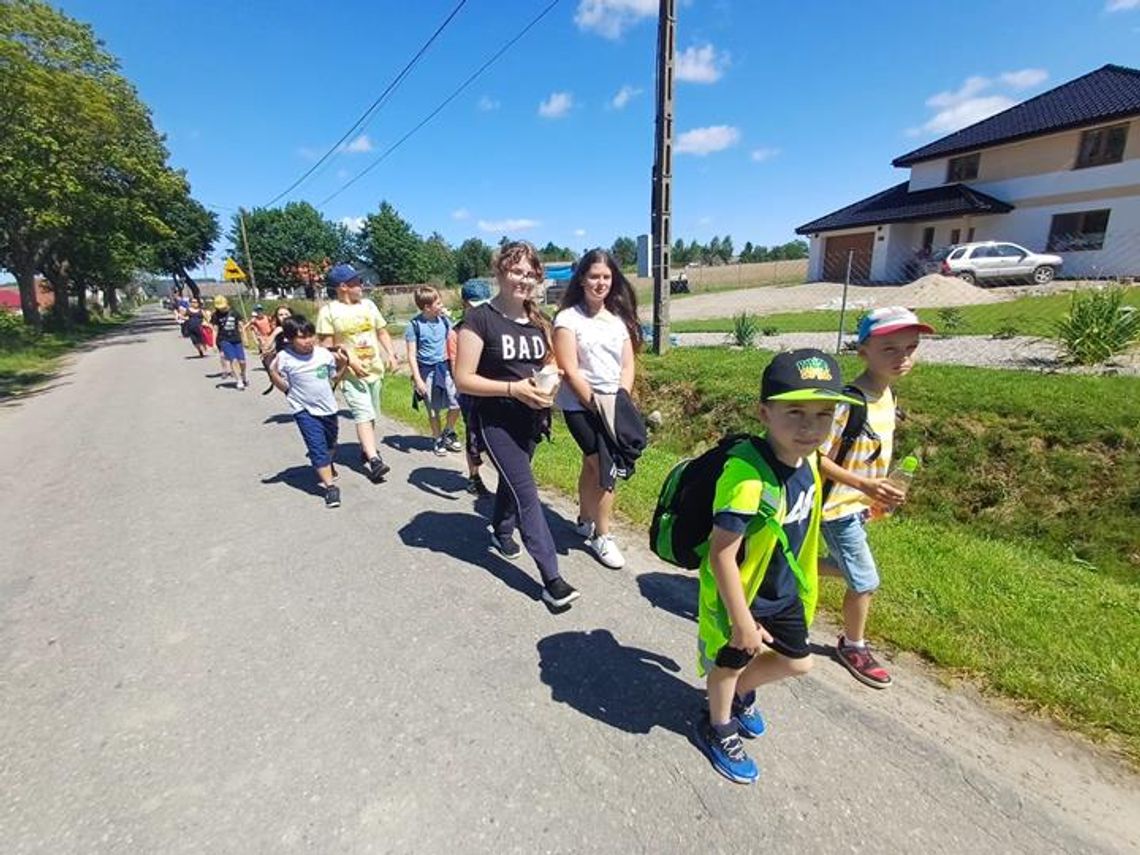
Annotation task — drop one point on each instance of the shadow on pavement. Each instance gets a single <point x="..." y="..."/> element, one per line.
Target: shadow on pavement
<point x="410" y="443"/>
<point x="301" y="478"/>
<point x="625" y="687"/>
<point x="465" y="537"/>
<point x="671" y="592"/>
<point x="444" y="483"/>
<point x="280" y="419"/>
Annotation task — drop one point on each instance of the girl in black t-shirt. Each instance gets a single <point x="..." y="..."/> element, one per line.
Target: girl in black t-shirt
<point x="502" y="344"/>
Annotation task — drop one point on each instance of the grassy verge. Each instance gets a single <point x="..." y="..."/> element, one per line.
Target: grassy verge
<point x="27" y="359"/>
<point x="1021" y="475"/>
<point x="1033" y="316"/>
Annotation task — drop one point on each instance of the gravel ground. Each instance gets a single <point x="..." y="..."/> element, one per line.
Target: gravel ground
<point x="1021" y="353"/>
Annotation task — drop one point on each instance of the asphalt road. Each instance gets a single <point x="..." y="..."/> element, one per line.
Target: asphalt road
<point x="198" y="657"/>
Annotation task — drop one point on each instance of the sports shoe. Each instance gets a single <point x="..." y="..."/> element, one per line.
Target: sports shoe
<point x="748" y="718"/>
<point x="726" y="753"/>
<point x="606" y="551"/>
<point x="584" y="527"/>
<point x="241" y="385"/>
<point x="506" y="546"/>
<point x="451" y="441"/>
<point x="558" y="593"/>
<point x="376" y="469"/>
<point x="439" y="447"/>
<point x="862" y="664"/>
<point x="332" y="496"/>
<point x="476" y="487"/>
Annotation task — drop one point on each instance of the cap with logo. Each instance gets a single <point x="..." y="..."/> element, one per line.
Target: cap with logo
<point x="890" y="319"/>
<point x="476" y="290"/>
<point x="340" y="274"/>
<point x="803" y="375"/>
<point x="221" y="302"/>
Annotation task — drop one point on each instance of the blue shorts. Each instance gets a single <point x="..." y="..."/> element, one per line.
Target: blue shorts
<point x="319" y="433"/>
<point x="233" y="351"/>
<point x="846" y="540"/>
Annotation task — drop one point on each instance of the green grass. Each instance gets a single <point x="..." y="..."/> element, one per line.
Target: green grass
<point x="27" y="359"/>
<point x="1017" y="562"/>
<point x="1032" y="316"/>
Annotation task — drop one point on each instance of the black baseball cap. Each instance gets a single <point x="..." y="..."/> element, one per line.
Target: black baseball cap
<point x="803" y="375"/>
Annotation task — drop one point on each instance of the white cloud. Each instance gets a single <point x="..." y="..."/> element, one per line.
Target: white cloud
<point x="761" y="154"/>
<point x="579" y="232"/>
<point x="701" y="64"/>
<point x="702" y="141"/>
<point x="353" y="224"/>
<point x="958" y="108"/>
<point x="556" y="106"/>
<point x="704" y="221"/>
<point x="610" y="18"/>
<point x="624" y="95"/>
<point x="487" y="104"/>
<point x="361" y="145"/>
<point x="1121" y="5"/>
<point x="519" y="224"/>
<point x="1027" y="78"/>
<point x="460" y="214"/>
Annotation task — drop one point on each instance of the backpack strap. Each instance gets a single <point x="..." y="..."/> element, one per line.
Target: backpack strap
<point x="856" y="420"/>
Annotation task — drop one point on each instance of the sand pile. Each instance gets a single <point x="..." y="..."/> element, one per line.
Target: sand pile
<point x="937" y="290"/>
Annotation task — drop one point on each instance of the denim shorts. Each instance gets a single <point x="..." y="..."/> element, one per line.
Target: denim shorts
<point x="319" y="433"/>
<point x="846" y="540"/>
<point x="233" y="351"/>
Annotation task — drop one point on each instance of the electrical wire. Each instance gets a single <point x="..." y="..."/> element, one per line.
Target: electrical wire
<point x="455" y="94"/>
<point x="373" y="107"/>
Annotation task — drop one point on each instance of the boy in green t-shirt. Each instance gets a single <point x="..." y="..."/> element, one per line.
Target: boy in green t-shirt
<point x="767" y="501"/>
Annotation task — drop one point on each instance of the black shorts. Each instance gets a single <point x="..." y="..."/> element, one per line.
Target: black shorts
<point x="789" y="632"/>
<point x="586" y="428"/>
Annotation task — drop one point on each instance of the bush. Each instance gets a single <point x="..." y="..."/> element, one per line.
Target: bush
<point x="770" y="330"/>
<point x="1008" y="328"/>
<point x="745" y="328"/>
<point x="1098" y="326"/>
<point x="950" y="320"/>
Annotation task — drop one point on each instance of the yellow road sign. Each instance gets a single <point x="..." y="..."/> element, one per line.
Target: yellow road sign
<point x="231" y="272"/>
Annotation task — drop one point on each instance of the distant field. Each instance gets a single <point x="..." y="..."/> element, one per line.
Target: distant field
<point x="729" y="276"/>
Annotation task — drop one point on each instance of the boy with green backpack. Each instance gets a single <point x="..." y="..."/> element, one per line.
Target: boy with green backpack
<point x="749" y="510"/>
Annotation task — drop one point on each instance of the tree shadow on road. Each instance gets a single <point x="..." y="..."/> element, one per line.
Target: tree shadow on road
<point x="301" y="478"/>
<point x="671" y="592"/>
<point x="625" y="687"/>
<point x="465" y="538"/>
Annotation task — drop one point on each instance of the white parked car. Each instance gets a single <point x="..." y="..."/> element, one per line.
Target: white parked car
<point x="986" y="262"/>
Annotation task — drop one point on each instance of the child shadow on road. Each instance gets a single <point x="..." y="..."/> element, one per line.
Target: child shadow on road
<point x="625" y="687"/>
<point x="465" y="537"/>
<point x="436" y="481"/>
<point x="671" y="592"/>
<point x="299" y="478"/>
<point x="410" y="443"/>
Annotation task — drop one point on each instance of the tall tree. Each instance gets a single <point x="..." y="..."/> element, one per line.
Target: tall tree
<point x="472" y="260"/>
<point x="193" y="233"/>
<point x="392" y="249"/>
<point x="291" y="247"/>
<point x="624" y="249"/>
<point x="746" y="253"/>
<point x="680" y="255"/>
<point x="724" y="253"/>
<point x="439" y="260"/>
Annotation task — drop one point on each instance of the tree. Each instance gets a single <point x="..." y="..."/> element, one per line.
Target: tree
<point x="472" y="259"/>
<point x="746" y="253"/>
<point x="680" y="255"/>
<point x="725" y="251"/>
<point x="194" y="231"/>
<point x="625" y="251"/>
<point x="796" y="249"/>
<point x="439" y="260"/>
<point x="710" y="254"/>
<point x="553" y="252"/>
<point x="392" y="249"/>
<point x="290" y="247"/>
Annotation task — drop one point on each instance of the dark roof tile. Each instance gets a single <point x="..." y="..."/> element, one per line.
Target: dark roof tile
<point x="1111" y="92"/>
<point x="897" y="204"/>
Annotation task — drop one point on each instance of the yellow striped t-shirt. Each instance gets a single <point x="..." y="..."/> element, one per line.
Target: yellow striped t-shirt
<point x="870" y="455"/>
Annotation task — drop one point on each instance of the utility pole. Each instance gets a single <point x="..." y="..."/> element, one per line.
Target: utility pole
<point x="248" y="257"/>
<point x="663" y="174"/>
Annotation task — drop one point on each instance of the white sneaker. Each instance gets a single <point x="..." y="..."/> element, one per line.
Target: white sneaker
<point x="606" y="551"/>
<point x="240" y="385"/>
<point x="584" y="527"/>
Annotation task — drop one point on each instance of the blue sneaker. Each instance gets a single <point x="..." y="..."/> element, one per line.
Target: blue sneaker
<point x="726" y="753"/>
<point x="747" y="716"/>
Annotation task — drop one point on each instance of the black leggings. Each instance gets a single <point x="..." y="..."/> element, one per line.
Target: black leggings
<point x="509" y="437"/>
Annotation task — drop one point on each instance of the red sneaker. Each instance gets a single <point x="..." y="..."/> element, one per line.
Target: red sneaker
<point x="862" y="664"/>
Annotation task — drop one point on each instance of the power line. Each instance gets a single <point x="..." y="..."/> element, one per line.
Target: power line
<point x="444" y="103"/>
<point x="374" y="106"/>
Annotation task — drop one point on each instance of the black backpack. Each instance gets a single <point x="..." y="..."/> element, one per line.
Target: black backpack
<point x="682" y="520"/>
<point x="856" y="419"/>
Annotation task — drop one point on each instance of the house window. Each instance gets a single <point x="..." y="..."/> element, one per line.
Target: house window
<point x="928" y="239"/>
<point x="963" y="168"/>
<point x="955" y="236"/>
<point x="970" y="235"/>
<point x="1101" y="146"/>
<point x="1083" y="230"/>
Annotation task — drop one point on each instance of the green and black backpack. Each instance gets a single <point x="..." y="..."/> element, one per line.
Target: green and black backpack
<point x="682" y="520"/>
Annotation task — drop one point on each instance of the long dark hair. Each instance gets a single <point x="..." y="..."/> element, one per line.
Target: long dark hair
<point x="296" y="325"/>
<point x="621" y="301"/>
<point x="521" y="250"/>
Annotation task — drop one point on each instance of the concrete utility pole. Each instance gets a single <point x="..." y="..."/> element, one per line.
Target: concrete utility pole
<point x="663" y="174"/>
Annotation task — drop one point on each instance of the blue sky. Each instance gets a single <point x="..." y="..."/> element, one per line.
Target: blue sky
<point x="784" y="110"/>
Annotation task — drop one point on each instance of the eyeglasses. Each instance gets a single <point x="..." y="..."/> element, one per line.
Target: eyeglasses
<point x="522" y="275"/>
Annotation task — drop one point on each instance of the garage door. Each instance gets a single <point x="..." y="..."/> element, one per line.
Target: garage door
<point x="836" y="251"/>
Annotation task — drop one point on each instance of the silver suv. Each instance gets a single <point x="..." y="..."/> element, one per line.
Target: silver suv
<point x="991" y="261"/>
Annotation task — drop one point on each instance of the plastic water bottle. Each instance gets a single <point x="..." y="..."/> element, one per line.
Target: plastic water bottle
<point x="900" y="477"/>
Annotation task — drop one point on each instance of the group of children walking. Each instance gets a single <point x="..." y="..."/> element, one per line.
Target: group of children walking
<point x="777" y="498"/>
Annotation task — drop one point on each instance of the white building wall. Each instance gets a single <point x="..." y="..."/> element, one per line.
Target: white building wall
<point x="815" y="257"/>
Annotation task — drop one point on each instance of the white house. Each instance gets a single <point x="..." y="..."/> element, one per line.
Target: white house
<point x="1057" y="173"/>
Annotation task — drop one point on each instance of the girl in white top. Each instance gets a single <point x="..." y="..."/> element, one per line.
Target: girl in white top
<point x="596" y="334"/>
